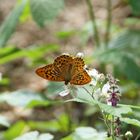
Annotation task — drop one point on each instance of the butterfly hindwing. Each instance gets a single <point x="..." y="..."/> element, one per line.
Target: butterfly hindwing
<point x="80" y="78"/>
<point x="79" y="75"/>
<point x="78" y="65"/>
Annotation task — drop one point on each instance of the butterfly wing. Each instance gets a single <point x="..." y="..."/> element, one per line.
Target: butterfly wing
<point x="80" y="78"/>
<point x="78" y="65"/>
<point x="50" y="73"/>
<point x="79" y="75"/>
<point x="56" y="71"/>
<point x="61" y="62"/>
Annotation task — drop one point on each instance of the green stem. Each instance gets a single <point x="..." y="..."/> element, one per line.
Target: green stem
<point x="92" y="17"/>
<point x="109" y="20"/>
<point x="68" y="110"/>
<point x="104" y="116"/>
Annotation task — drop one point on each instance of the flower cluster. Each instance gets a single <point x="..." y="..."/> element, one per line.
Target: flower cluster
<point x="113" y="91"/>
<point x="105" y="87"/>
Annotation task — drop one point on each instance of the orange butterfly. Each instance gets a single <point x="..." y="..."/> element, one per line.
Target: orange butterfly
<point x="65" y="68"/>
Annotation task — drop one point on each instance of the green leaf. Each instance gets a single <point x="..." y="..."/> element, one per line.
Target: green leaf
<point x="59" y="124"/>
<point x="45" y="10"/>
<point x="20" y="97"/>
<point x="63" y="120"/>
<point x="26" y="14"/>
<point x="51" y="125"/>
<point x="4" y="121"/>
<point x="66" y="34"/>
<point x="13" y="55"/>
<point x="131" y="106"/>
<point x="37" y="103"/>
<point x="4" y="81"/>
<point x="46" y="136"/>
<point x="32" y="53"/>
<point x="132" y="22"/>
<point x="84" y="97"/>
<point x="130" y="69"/>
<point x="88" y="133"/>
<point x="7" y="50"/>
<point x="36" y="52"/>
<point x="54" y="88"/>
<point x="135" y="5"/>
<point x="15" y="130"/>
<point x="34" y="135"/>
<point x="70" y="137"/>
<point x="9" y="25"/>
<point x="116" y="111"/>
<point x="83" y="94"/>
<point x="131" y="121"/>
<point x="124" y="53"/>
<point x="28" y="136"/>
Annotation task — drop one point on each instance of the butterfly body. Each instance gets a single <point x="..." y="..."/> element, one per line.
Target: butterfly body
<point x="65" y="68"/>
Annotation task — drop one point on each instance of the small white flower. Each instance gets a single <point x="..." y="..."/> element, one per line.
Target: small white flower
<point x="101" y="77"/>
<point x="105" y="90"/>
<point x="65" y="54"/>
<point x="97" y="93"/>
<point x="80" y="55"/>
<point x="109" y="103"/>
<point x="93" y="82"/>
<point x="128" y="134"/>
<point x="93" y="73"/>
<point x="65" y="92"/>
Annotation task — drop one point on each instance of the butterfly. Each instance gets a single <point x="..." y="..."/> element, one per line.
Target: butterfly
<point x="65" y="68"/>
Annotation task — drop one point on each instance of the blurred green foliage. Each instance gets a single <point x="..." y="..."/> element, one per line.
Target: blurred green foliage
<point x="10" y="23"/>
<point x="33" y="53"/>
<point x="135" y="4"/>
<point x="49" y="10"/>
<point x="122" y="53"/>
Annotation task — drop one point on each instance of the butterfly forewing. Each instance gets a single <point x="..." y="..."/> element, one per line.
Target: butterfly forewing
<point x="62" y="61"/>
<point x="50" y="73"/>
<point x="63" y="64"/>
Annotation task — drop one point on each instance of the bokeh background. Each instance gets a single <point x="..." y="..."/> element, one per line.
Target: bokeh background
<point x="33" y="33"/>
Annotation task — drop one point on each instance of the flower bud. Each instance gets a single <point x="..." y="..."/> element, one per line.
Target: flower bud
<point x="128" y="134"/>
<point x="80" y="55"/>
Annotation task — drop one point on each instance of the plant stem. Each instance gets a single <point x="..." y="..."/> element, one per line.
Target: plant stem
<point x="92" y="17"/>
<point x="109" y="19"/>
<point x="112" y="128"/>
<point x="138" y="136"/>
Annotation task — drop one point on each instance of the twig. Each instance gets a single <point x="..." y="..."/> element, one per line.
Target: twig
<point x="109" y="20"/>
<point x="92" y="17"/>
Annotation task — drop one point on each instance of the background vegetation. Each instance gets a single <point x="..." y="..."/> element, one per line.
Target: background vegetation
<point x="33" y="33"/>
